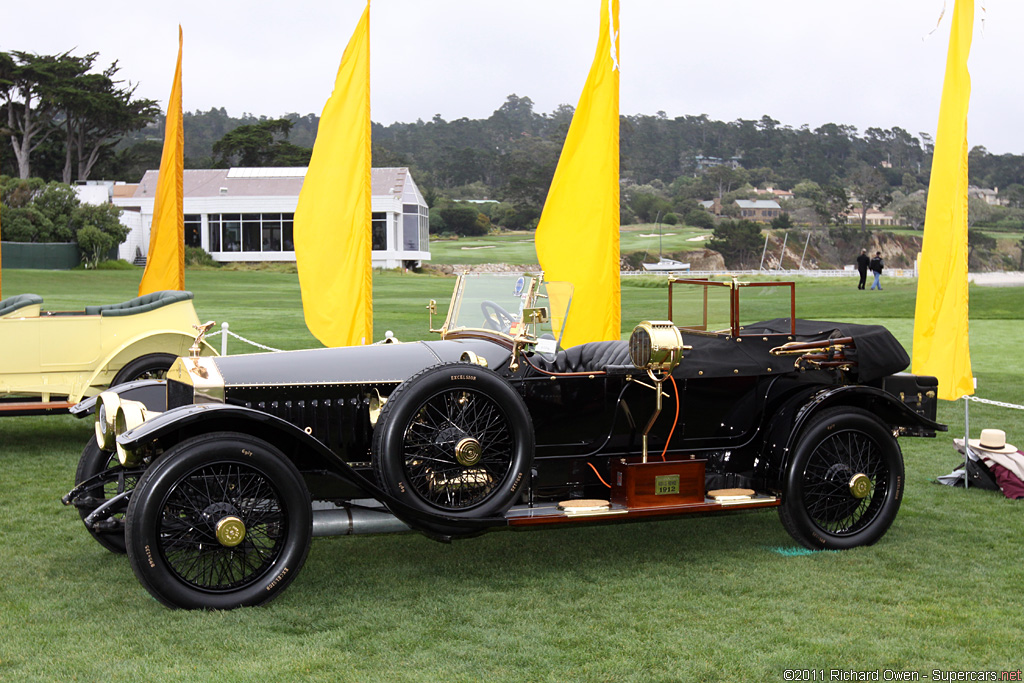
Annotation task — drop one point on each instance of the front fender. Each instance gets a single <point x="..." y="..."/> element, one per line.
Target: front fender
<point x="152" y="341"/>
<point x="151" y="392"/>
<point x="785" y="425"/>
<point x="303" y="449"/>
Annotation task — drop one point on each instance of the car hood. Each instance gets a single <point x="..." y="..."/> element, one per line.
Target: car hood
<point x="351" y="364"/>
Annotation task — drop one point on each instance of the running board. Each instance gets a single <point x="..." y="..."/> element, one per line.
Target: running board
<point x="15" y="408"/>
<point x="550" y="513"/>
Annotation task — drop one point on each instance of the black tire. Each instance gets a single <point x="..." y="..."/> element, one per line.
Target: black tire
<point x="93" y="462"/>
<point x="416" y="453"/>
<point x="819" y="508"/>
<point x="150" y="366"/>
<point x="180" y="503"/>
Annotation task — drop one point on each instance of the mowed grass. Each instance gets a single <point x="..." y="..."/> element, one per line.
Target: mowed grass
<point x="519" y="247"/>
<point x="719" y="598"/>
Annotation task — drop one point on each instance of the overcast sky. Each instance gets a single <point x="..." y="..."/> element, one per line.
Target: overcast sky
<point x="865" y="63"/>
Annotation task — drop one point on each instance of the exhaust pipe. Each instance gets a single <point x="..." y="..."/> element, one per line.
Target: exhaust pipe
<point x="366" y="517"/>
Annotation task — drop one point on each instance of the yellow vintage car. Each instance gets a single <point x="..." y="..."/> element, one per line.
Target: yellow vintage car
<point x="50" y="360"/>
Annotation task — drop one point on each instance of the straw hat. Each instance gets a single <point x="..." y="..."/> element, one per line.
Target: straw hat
<point x="993" y="441"/>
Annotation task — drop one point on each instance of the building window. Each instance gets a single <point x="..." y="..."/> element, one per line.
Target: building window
<point x="213" y="226"/>
<point x="287" y="234"/>
<point x="424" y="229"/>
<point x="193" y="230"/>
<point x="410" y="227"/>
<point x="251" y="232"/>
<point x="379" y="231"/>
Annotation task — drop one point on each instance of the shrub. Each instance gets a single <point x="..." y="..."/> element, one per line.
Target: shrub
<point x="197" y="256"/>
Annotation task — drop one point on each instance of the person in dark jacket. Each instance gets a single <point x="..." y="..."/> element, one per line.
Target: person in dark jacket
<point x="876" y="266"/>
<point x="862" y="267"/>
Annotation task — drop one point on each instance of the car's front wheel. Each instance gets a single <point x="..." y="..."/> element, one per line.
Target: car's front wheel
<point x="113" y="479"/>
<point x="220" y="521"/>
<point x="844" y="484"/>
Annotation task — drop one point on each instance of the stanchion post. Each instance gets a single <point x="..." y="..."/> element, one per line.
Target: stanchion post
<point x="967" y="437"/>
<point x="224" y="339"/>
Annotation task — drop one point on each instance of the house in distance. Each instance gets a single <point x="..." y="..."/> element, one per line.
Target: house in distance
<point x="247" y="214"/>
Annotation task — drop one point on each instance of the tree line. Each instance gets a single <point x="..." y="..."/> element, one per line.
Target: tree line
<point x="63" y="120"/>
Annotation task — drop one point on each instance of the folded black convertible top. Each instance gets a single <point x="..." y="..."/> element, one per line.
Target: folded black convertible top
<point x="877" y="352"/>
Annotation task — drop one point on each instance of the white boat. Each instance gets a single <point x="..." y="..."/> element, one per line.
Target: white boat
<point x="666" y="265"/>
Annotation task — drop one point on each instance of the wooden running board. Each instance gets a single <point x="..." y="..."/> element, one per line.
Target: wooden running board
<point x="33" y="407"/>
<point x="548" y="513"/>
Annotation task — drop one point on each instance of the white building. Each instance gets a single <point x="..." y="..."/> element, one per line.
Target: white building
<point x="247" y="214"/>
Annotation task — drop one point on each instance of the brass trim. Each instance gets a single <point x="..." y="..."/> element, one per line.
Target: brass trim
<point x="860" y="485"/>
<point x="130" y="414"/>
<point x="470" y="357"/>
<point x="203" y="375"/>
<point x="230" y="531"/>
<point x="197" y="345"/>
<point x="468" y="452"/>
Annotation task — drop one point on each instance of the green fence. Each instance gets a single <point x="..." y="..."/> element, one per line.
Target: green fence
<point x="41" y="256"/>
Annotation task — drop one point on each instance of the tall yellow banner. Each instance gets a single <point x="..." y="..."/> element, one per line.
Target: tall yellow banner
<point x="332" y="220"/>
<point x="941" y="345"/>
<point x="165" y="262"/>
<point x="578" y="233"/>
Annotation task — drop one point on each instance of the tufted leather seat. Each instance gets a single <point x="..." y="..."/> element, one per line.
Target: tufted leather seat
<point x="146" y="302"/>
<point x="13" y="304"/>
<point x="589" y="357"/>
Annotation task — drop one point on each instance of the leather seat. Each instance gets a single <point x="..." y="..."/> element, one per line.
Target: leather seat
<point x="589" y="357"/>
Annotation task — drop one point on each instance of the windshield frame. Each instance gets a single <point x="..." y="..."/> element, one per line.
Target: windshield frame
<point x="491" y="292"/>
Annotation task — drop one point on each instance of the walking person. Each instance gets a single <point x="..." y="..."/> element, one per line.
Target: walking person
<point x="862" y="267"/>
<point x="876" y="266"/>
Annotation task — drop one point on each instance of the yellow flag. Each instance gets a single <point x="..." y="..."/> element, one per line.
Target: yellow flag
<point x="940" y="320"/>
<point x="165" y="262"/>
<point x="578" y="233"/>
<point x="332" y="220"/>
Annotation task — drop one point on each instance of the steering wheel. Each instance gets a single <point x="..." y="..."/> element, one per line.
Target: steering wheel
<point x="495" y="317"/>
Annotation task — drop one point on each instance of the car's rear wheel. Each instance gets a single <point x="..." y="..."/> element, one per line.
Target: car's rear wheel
<point x="844" y="484"/>
<point x="220" y="521"/>
<point x="115" y="479"/>
<point x="454" y="439"/>
<point x="150" y="366"/>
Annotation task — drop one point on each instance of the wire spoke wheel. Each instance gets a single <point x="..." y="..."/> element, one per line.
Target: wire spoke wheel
<point x="454" y="439"/>
<point x="219" y="521"/>
<point x="827" y="476"/>
<point x="188" y="526"/>
<point x="844" y="484"/>
<point x="441" y="473"/>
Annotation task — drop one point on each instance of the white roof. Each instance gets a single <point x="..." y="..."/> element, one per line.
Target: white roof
<point x="758" y="204"/>
<point x="275" y="182"/>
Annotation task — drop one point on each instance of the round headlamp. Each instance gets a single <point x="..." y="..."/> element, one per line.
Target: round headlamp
<point x="130" y="414"/>
<point x="106" y="409"/>
<point x="656" y="346"/>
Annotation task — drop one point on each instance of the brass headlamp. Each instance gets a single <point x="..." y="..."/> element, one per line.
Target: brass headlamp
<point x="130" y="414"/>
<point x="656" y="346"/>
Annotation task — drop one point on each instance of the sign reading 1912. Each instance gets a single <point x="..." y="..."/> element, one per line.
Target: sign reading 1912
<point x="666" y="484"/>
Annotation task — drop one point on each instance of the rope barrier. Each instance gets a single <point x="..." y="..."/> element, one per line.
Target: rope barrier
<point x="243" y="339"/>
<point x="1000" y="404"/>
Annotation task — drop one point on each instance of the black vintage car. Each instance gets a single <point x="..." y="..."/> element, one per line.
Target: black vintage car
<point x="215" y="480"/>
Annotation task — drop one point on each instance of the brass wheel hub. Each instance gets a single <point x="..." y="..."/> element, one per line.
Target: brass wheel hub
<point x="860" y="485"/>
<point x="468" y="452"/>
<point x="230" y="531"/>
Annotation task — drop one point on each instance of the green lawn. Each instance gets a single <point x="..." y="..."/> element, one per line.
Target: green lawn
<point x="519" y="247"/>
<point x="722" y="598"/>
